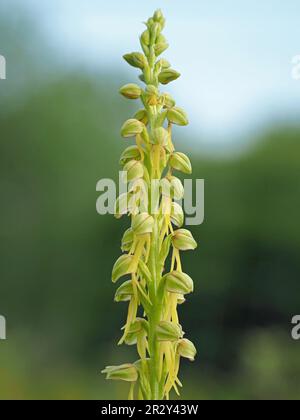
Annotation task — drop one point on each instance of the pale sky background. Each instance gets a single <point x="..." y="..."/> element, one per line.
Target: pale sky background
<point x="234" y="55"/>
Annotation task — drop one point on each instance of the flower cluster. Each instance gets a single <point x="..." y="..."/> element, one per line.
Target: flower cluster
<point x="156" y="285"/>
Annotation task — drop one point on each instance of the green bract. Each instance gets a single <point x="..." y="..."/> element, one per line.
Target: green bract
<point x="152" y="244"/>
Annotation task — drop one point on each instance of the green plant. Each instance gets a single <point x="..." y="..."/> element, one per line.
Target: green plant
<point x="152" y="290"/>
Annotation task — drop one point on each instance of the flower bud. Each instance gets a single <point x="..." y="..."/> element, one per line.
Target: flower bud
<point x="177" y="216"/>
<point x="122" y="267"/>
<point x="134" y="169"/>
<point x="160" y="47"/>
<point x="177" y="116"/>
<point x="180" y="162"/>
<point x="131" y="91"/>
<point x="121" y="206"/>
<point x="167" y="331"/>
<point x="168" y="75"/>
<point x="151" y="95"/>
<point x="142" y="223"/>
<point x="145" y="38"/>
<point x="178" y="282"/>
<point x="142" y="116"/>
<point x="168" y="101"/>
<point x="136" y="59"/>
<point x="163" y="63"/>
<point x="131" y="152"/>
<point x="186" y="348"/>
<point x="183" y="240"/>
<point x="127" y="372"/>
<point x="131" y="128"/>
<point x="158" y="15"/>
<point x="160" y="136"/>
<point x="124" y="292"/>
<point x="127" y="240"/>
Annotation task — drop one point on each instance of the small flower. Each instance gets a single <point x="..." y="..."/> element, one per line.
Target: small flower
<point x="177" y="116"/>
<point x="186" y="348"/>
<point x="122" y="267"/>
<point x="127" y="240"/>
<point x="167" y="331"/>
<point x="131" y="152"/>
<point x="124" y="292"/>
<point x="131" y="128"/>
<point x="181" y="162"/>
<point x="133" y="169"/>
<point x="177" y="216"/>
<point x="142" y="223"/>
<point x="168" y="101"/>
<point x="178" y="282"/>
<point x="183" y="240"/>
<point x="126" y="372"/>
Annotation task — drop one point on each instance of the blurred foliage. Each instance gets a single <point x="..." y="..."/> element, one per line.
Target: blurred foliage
<point x="57" y="140"/>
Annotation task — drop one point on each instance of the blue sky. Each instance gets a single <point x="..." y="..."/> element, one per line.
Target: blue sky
<point x="234" y="56"/>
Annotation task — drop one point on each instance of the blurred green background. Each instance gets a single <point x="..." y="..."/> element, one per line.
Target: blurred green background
<point x="59" y="127"/>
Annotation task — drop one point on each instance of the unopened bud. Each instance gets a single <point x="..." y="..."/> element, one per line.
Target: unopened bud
<point x="142" y="116"/>
<point x="157" y="15"/>
<point x="164" y="63"/>
<point x="160" y="47"/>
<point x="145" y="37"/>
<point x="134" y="169"/>
<point x="160" y="136"/>
<point x="122" y="267"/>
<point x="131" y="91"/>
<point x="131" y="128"/>
<point x="178" y="282"/>
<point x="183" y="240"/>
<point x="168" y="75"/>
<point x="131" y="152"/>
<point x="177" y="116"/>
<point x="186" y="348"/>
<point x="168" y="331"/>
<point x="180" y="162"/>
<point x="142" y="223"/>
<point x="124" y="292"/>
<point x="145" y="41"/>
<point x="126" y="372"/>
<point x="177" y="216"/>
<point x="136" y="59"/>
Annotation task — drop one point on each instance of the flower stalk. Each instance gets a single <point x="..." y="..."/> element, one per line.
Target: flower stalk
<point x="156" y="286"/>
